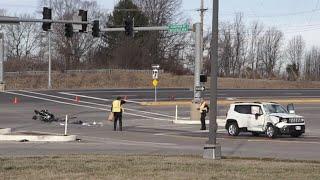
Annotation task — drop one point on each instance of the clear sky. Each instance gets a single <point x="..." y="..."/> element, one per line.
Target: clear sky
<point x="292" y="16"/>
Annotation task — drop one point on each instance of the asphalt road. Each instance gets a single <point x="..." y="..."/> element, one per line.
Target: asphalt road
<point x="183" y="93"/>
<point x="146" y="129"/>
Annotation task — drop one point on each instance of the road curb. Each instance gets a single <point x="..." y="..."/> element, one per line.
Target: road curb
<point x="5" y="130"/>
<point x="37" y="137"/>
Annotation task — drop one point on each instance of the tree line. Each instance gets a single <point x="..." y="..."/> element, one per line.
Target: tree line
<point x="245" y="50"/>
<point x="255" y="51"/>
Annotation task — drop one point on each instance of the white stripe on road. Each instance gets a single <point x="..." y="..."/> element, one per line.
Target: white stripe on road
<point x="85" y="106"/>
<point x="123" y="91"/>
<point x="101" y="99"/>
<point x="280" y="141"/>
<point x="91" y="97"/>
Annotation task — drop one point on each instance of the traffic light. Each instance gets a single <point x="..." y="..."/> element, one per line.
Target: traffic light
<point x="68" y="30"/>
<point x="96" y="28"/>
<point x="203" y="78"/>
<point x="47" y="14"/>
<point x="84" y="18"/>
<point x="128" y="26"/>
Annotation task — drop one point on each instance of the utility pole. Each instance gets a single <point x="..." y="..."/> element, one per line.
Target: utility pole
<point x="212" y="150"/>
<point x="202" y="11"/>
<point x="49" y="68"/>
<point x="1" y="63"/>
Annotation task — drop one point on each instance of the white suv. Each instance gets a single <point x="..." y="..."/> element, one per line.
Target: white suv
<point x="269" y="118"/>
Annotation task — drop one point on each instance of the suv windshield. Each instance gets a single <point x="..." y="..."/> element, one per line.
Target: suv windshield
<point x="274" y="108"/>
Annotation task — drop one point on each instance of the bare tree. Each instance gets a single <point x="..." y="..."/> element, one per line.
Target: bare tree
<point x="225" y="52"/>
<point x="239" y="45"/>
<point x="22" y="40"/>
<point x="164" y="47"/>
<point x="294" y="54"/>
<point x="74" y="51"/>
<point x="255" y="33"/>
<point x="270" y="51"/>
<point x="312" y="64"/>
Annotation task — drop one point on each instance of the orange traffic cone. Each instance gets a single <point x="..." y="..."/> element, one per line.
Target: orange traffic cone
<point x="77" y="99"/>
<point x="15" y="100"/>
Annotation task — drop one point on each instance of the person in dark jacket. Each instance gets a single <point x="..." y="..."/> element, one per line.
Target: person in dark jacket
<point x="117" y="111"/>
<point x="204" y="109"/>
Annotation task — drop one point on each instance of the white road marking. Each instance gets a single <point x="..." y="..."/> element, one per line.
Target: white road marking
<point x="85" y="106"/>
<point x="293" y="93"/>
<point x="279" y="141"/>
<point x="91" y="97"/>
<point x="123" y="91"/>
<point x="130" y="109"/>
<point x="137" y="101"/>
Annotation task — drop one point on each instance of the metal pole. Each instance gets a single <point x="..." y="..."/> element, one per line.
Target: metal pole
<point x="176" y="118"/>
<point x="197" y="94"/>
<point x="202" y="10"/>
<point x="2" y="58"/>
<point x="66" y="126"/>
<point x="155" y="92"/>
<point x="214" y="74"/>
<point x="49" y="68"/>
<point x="212" y="150"/>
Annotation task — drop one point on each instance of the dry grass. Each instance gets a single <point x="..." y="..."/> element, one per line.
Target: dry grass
<point x="139" y="80"/>
<point x="152" y="167"/>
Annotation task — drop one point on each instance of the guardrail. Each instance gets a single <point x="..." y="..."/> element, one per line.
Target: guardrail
<point x="110" y="71"/>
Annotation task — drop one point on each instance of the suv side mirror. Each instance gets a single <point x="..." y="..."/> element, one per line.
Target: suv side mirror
<point x="290" y="108"/>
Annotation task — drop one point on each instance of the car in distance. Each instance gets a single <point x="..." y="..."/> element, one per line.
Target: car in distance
<point x="258" y="118"/>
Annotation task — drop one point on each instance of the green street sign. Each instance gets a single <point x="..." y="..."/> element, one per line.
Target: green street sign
<point x="179" y="27"/>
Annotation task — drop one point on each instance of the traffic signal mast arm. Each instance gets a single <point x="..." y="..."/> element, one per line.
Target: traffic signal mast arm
<point x="16" y="20"/>
<point x="151" y="28"/>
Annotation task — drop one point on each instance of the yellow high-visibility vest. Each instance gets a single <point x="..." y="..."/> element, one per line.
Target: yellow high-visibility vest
<point x="203" y="107"/>
<point x="116" y="106"/>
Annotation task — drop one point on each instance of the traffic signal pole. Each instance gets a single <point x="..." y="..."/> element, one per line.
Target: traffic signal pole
<point x="49" y="62"/>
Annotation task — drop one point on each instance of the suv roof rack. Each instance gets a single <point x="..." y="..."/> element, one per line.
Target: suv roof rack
<point x="257" y="102"/>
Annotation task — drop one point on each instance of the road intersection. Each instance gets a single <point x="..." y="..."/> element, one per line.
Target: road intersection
<point x="147" y="129"/>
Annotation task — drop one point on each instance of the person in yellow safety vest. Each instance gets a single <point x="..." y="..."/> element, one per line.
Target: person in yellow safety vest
<point x="204" y="109"/>
<point x="117" y="110"/>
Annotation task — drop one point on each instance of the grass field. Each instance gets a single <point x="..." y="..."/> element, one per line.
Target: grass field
<point x="140" y="80"/>
<point x="153" y="167"/>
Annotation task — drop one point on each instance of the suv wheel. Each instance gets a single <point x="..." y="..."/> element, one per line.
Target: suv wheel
<point x="271" y="131"/>
<point x="233" y="129"/>
<point x="295" y="134"/>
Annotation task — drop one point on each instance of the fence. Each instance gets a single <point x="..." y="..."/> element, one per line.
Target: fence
<point x="110" y="71"/>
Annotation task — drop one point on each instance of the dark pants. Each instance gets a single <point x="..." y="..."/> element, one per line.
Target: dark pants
<point x="203" y="120"/>
<point x="117" y="116"/>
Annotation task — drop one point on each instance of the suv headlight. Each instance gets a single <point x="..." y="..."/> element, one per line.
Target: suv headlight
<point x="284" y="120"/>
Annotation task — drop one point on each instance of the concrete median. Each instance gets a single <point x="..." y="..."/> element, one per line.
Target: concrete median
<point x="220" y="121"/>
<point x="5" y="130"/>
<point x="36" y="137"/>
